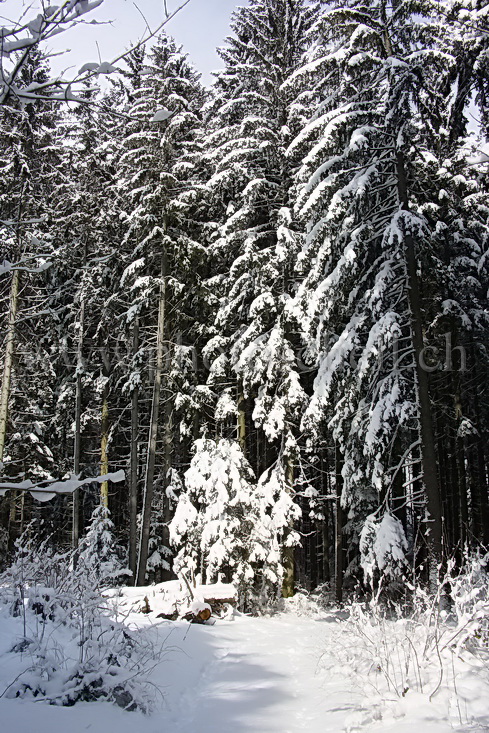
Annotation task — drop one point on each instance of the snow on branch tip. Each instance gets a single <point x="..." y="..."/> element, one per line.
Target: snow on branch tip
<point x="45" y="491"/>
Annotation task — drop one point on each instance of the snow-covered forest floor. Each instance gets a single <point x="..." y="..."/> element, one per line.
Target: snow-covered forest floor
<point x="306" y="669"/>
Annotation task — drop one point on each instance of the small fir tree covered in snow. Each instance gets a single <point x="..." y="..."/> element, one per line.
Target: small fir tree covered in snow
<point x="97" y="559"/>
<point x="213" y="518"/>
<point x="227" y="525"/>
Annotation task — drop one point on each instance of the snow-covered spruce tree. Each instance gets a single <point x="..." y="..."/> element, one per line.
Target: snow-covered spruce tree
<point x="361" y="305"/>
<point x="213" y="519"/>
<point x="450" y="193"/>
<point x="226" y="525"/>
<point x="29" y="160"/>
<point x="158" y="181"/>
<point x="252" y="119"/>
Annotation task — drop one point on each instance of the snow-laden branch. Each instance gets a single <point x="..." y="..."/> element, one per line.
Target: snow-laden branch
<point x="7" y="266"/>
<point x="18" y="40"/>
<point x="45" y="490"/>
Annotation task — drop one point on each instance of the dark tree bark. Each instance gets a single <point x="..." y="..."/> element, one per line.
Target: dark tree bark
<point x="428" y="453"/>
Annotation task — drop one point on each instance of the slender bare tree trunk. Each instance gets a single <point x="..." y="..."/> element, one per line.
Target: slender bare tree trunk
<point x="338" y="564"/>
<point x="153" y="428"/>
<point x="8" y="360"/>
<point x="75" y="536"/>
<point x="6" y="380"/>
<point x="167" y="454"/>
<point x="104" y="442"/>
<point x="133" y="485"/>
<point x="105" y="430"/>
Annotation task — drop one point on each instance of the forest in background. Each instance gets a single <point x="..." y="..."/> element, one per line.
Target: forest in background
<point x="266" y="301"/>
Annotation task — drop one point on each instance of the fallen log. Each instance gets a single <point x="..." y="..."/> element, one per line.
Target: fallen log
<point x="219" y="597"/>
<point x="197" y="617"/>
<point x="197" y="613"/>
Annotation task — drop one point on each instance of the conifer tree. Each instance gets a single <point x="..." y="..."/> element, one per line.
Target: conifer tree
<point x="252" y="118"/>
<point x="361" y="305"/>
<point x="29" y="158"/>
<point x="158" y="184"/>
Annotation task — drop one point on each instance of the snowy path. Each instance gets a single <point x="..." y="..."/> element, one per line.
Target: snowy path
<point x="247" y="675"/>
<point x="261" y="676"/>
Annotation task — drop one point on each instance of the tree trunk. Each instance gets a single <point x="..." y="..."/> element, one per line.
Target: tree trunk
<point x="133" y="479"/>
<point x="9" y="355"/>
<point x="461" y="470"/>
<point x="105" y="429"/>
<point x="104" y="441"/>
<point x="167" y="453"/>
<point x="153" y="428"/>
<point x="338" y="531"/>
<point x="428" y="452"/>
<point x="288" y="585"/>
<point x="5" y="393"/>
<point x="75" y="535"/>
<point x="481" y="485"/>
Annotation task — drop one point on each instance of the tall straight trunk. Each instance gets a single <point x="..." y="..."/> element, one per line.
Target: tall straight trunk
<point x="153" y="428"/>
<point x="14" y="495"/>
<point x="443" y="464"/>
<point x="6" y="380"/>
<point x="133" y="478"/>
<point x="327" y="524"/>
<point x="104" y="443"/>
<point x="75" y="532"/>
<point x="428" y="453"/>
<point x="75" y="525"/>
<point x="167" y="455"/>
<point x="314" y="576"/>
<point x="22" y="513"/>
<point x="105" y="430"/>
<point x="483" y="493"/>
<point x="338" y="570"/>
<point x="8" y="360"/>
<point x="456" y="537"/>
<point x="288" y="585"/>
